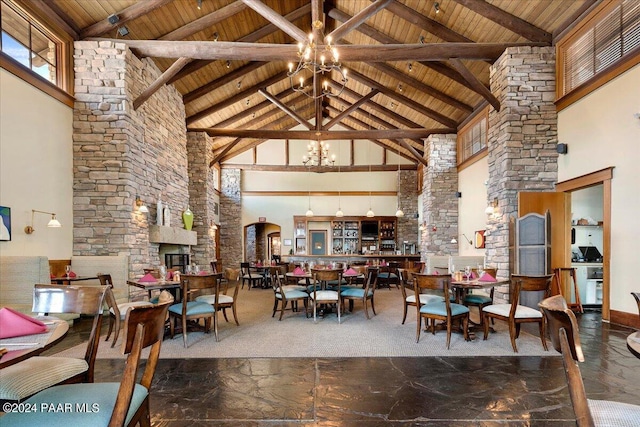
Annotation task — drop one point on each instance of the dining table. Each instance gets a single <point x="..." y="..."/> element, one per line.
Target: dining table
<point x="462" y="287"/>
<point x="159" y="285"/>
<point x="17" y="349"/>
<point x="62" y="280"/>
<point x="633" y="343"/>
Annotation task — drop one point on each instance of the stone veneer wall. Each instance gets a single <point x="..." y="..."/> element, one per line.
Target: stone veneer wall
<point x="407" y="230"/>
<point x="120" y="153"/>
<point x="201" y="196"/>
<point x="230" y="218"/>
<point x="522" y="141"/>
<point x="439" y="202"/>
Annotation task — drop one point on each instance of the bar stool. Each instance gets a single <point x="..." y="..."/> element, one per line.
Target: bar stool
<point x="560" y="274"/>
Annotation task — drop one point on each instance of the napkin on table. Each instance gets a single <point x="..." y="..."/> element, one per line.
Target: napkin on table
<point x="351" y="272"/>
<point x="298" y="271"/>
<point x="486" y="277"/>
<point x="169" y="275"/>
<point x="72" y="274"/>
<point x="16" y="324"/>
<point x="202" y="273"/>
<point x="147" y="278"/>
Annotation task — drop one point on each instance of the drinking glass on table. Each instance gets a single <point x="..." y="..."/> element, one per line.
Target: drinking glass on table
<point x="163" y="272"/>
<point x="67" y="269"/>
<point x="187" y="269"/>
<point x="467" y="272"/>
<point x="196" y="269"/>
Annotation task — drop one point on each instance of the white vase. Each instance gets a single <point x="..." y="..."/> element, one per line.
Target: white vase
<point x="159" y="212"/>
<point x="167" y="217"/>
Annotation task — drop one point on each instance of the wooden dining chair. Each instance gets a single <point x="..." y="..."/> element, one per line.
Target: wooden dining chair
<point x="443" y="310"/>
<point x="32" y="375"/>
<point x="117" y="311"/>
<point x="250" y="277"/>
<point x="407" y="277"/>
<point x="320" y="294"/>
<point x="389" y="275"/>
<point x="515" y="314"/>
<point x="220" y="301"/>
<point x="105" y="404"/>
<point x="190" y="310"/>
<point x="565" y="338"/>
<point x="636" y="296"/>
<point x="364" y="295"/>
<point x="285" y="294"/>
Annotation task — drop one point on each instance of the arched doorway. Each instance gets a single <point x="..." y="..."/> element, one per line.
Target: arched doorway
<point x="261" y="241"/>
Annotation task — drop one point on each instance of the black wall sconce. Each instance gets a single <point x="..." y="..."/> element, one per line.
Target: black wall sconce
<point x="562" y="148"/>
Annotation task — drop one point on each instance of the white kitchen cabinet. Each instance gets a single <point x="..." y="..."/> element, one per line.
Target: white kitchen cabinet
<point x="589" y="277"/>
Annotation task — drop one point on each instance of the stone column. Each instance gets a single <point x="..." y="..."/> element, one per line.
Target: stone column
<point x="231" y="218"/>
<point x="439" y="202"/>
<point x="201" y="196"/>
<point x="522" y="142"/>
<point x="408" y="224"/>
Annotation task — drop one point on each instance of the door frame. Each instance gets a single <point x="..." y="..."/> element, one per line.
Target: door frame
<point x="603" y="177"/>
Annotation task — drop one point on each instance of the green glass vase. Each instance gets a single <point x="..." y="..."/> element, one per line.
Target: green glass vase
<point x="187" y="218"/>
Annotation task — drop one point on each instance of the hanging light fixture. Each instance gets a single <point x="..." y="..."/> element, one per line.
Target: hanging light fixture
<point x="309" y="213"/>
<point x="339" y="213"/>
<point x="399" y="212"/>
<point x="314" y="62"/>
<point x="318" y="154"/>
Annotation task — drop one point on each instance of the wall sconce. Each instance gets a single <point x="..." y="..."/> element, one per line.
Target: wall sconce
<point x="562" y="148"/>
<point x="468" y="240"/>
<point x="492" y="208"/>
<point x="142" y="208"/>
<point x="422" y="227"/>
<point x="53" y="223"/>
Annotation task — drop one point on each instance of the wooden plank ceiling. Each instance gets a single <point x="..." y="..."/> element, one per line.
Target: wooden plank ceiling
<point x="415" y="67"/>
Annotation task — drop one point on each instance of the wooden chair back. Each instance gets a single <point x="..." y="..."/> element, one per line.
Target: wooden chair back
<point x="576" y="386"/>
<point x="153" y="271"/>
<point x="522" y="283"/>
<point x="214" y="267"/>
<point x="143" y="327"/>
<point x="371" y="282"/>
<point x="636" y="295"/>
<point x="326" y="275"/>
<point x="193" y="285"/>
<point x="559" y="316"/>
<point x="437" y="284"/>
<point x="87" y="300"/>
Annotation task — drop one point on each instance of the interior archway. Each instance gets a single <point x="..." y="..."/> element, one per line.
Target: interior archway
<point x="261" y="241"/>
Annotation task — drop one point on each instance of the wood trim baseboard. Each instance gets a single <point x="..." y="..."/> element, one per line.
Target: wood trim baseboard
<point x="623" y="318"/>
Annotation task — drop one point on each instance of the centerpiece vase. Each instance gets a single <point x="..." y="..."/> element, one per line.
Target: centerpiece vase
<point x="187" y="218"/>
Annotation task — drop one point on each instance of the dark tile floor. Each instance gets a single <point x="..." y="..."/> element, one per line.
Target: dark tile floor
<point x="452" y="391"/>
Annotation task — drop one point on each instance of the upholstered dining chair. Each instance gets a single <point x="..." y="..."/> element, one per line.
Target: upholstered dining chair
<point x="107" y="404"/>
<point x="565" y="338"/>
<point x="117" y="311"/>
<point x="250" y="277"/>
<point x="389" y="275"/>
<point x="365" y="294"/>
<point x="407" y="276"/>
<point x="320" y="294"/>
<point x="190" y="309"/>
<point x="443" y="310"/>
<point x="220" y="301"/>
<point x="38" y="373"/>
<point x="285" y="294"/>
<point x="481" y="300"/>
<point x="514" y="313"/>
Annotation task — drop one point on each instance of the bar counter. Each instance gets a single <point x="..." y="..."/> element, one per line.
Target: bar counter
<point x="350" y="258"/>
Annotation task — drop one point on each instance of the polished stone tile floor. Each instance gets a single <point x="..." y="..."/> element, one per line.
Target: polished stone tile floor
<point x="439" y="391"/>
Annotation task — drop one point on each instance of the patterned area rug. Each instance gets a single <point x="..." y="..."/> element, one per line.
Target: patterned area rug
<point x="260" y="335"/>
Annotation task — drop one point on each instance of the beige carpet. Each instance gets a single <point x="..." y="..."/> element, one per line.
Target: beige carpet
<point x="260" y="335"/>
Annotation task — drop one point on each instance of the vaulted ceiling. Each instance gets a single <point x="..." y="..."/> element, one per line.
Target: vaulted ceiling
<point x="415" y="67"/>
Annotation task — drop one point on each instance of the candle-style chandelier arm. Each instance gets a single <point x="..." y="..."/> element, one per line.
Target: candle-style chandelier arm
<point x="314" y="61"/>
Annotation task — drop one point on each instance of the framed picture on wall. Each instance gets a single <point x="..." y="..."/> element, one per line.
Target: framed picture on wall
<point x="5" y="223"/>
<point x="287" y="242"/>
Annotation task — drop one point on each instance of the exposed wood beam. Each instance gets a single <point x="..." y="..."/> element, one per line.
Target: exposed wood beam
<point x="324" y="135"/>
<point x="404" y="100"/>
<point x="223" y="80"/>
<point x="473" y="80"/>
<point x="417" y="84"/>
<point x="285" y="52"/>
<point x="286" y="109"/>
<point x="160" y="81"/>
<point x="205" y="22"/>
<point x="358" y="19"/>
<point x="249" y="38"/>
<point x="132" y="12"/>
<point x="352" y="108"/>
<point x="253" y="109"/>
<point x="434" y="27"/>
<point x="236" y="98"/>
<point x="277" y="19"/>
<point x="413" y="151"/>
<point x="343" y="168"/>
<point x="225" y="150"/>
<point x="385" y="39"/>
<point x="58" y="16"/>
<point x="507" y="20"/>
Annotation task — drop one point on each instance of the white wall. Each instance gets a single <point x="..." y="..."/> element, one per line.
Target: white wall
<point x="602" y="131"/>
<point x="472" y="204"/>
<point x="36" y="168"/>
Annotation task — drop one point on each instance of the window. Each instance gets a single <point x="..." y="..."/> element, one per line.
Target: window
<point x="602" y="47"/>
<point x="472" y="138"/>
<point x="27" y="43"/>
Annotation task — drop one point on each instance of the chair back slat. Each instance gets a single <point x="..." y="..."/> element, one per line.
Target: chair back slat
<point x="521" y="283"/>
<point x="559" y="315"/>
<point x="67" y="299"/>
<point x="576" y="386"/>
